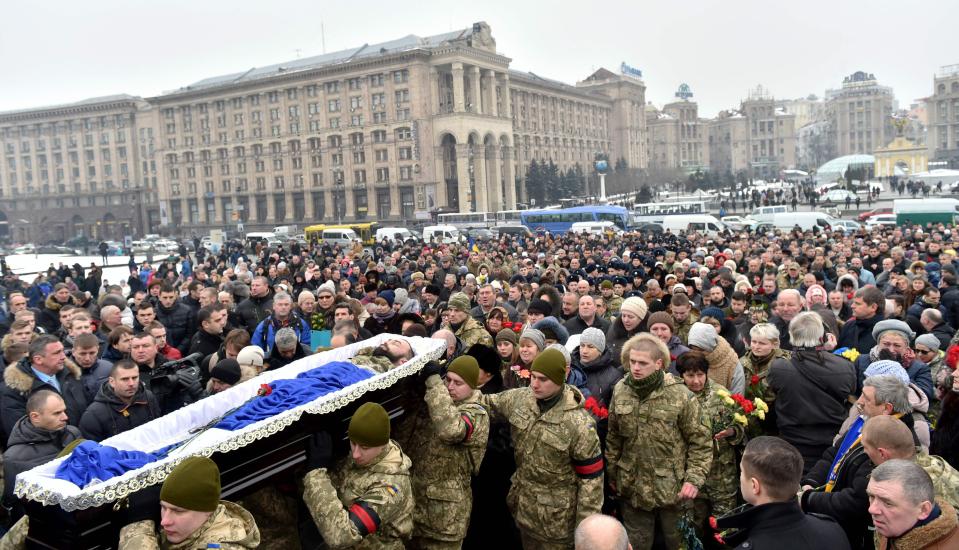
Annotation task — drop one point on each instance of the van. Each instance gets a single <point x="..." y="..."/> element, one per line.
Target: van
<point x="339" y="236"/>
<point x="441" y="234"/>
<point x="923" y="211"/>
<point x="255" y="238"/>
<point x="806" y="221"/>
<point x="285" y="231"/>
<point x="394" y="235"/>
<point x="766" y="213"/>
<point x="513" y="230"/>
<point x="595" y="228"/>
<point x="703" y="224"/>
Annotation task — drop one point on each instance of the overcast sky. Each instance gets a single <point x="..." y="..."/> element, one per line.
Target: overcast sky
<point x="56" y="51"/>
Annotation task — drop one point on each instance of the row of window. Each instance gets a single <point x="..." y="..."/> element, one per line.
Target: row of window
<point x="57" y="143"/>
<point x="66" y="126"/>
<point x="241" y="185"/>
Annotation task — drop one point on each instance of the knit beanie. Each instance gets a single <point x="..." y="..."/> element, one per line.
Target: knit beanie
<point x="467" y="368"/>
<point x="370" y="425"/>
<point x="400" y="296"/>
<point x="594" y="337"/>
<point x="459" y="301"/>
<point x="894" y="325"/>
<point x="226" y="371"/>
<point x="661" y="317"/>
<point x="703" y="336"/>
<point x="635" y="305"/>
<point x="194" y="484"/>
<point x="535" y="337"/>
<point x="250" y="355"/>
<point x="886" y="367"/>
<point x="539" y="306"/>
<point x="388" y="295"/>
<point x="508" y="335"/>
<point x="714" y="312"/>
<point x="551" y="363"/>
<point x="929" y="341"/>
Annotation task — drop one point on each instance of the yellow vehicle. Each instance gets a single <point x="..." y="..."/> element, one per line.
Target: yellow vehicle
<point x="365" y="231"/>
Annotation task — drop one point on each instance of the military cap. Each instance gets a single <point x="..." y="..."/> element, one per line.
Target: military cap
<point x="194" y="484"/>
<point x="607" y="284"/>
<point x="552" y="364"/>
<point x="467" y="368"/>
<point x="370" y="425"/>
<point x="459" y="301"/>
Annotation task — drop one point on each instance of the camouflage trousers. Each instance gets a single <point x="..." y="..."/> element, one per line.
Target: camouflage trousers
<point x="641" y="525"/>
<point x="276" y="516"/>
<point x="16" y="537"/>
<point x="532" y="543"/>
<point x="423" y="543"/>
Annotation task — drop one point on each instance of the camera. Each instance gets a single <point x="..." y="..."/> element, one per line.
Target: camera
<point x="177" y="383"/>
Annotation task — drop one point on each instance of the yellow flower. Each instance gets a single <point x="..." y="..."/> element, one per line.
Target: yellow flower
<point x="851" y="354"/>
<point x="740" y="418"/>
<point x="728" y="400"/>
<point x="722" y="393"/>
<point x="759" y="413"/>
<point x="761" y="405"/>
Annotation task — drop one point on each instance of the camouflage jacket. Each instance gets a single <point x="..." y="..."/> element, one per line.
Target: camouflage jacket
<point x="446" y="443"/>
<point x="753" y="366"/>
<point x="472" y="332"/>
<point x="364" y="507"/>
<point x="16" y="537"/>
<point x="654" y="446"/>
<point x="945" y="478"/>
<point x="559" y="466"/>
<point x="230" y="526"/>
<point x="682" y="329"/>
<point x="613" y="305"/>
<point x="722" y="483"/>
<point x="365" y="358"/>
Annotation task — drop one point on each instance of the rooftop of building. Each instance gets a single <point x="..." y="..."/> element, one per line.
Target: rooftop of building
<point x="74" y="105"/>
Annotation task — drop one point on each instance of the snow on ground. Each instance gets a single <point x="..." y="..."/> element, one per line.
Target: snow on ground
<point x="27" y="265"/>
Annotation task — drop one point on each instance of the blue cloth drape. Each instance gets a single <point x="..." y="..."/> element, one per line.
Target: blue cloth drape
<point x="91" y="461"/>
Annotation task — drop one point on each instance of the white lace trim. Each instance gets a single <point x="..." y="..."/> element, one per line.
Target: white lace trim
<point x="40" y="485"/>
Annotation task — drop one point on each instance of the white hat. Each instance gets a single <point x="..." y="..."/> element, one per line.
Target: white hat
<point x="250" y="355"/>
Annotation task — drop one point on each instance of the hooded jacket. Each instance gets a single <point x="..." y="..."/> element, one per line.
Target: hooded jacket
<point x="601" y="375"/>
<point x="49" y="317"/>
<point x="180" y="323"/>
<point x="30" y="446"/>
<point x="108" y="415"/>
<point x="20" y="382"/>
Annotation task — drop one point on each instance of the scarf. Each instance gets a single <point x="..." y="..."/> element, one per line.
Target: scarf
<point x="383" y="319"/>
<point x="905" y="360"/>
<point x="646" y="386"/>
<point x="547" y="404"/>
<point x="852" y="439"/>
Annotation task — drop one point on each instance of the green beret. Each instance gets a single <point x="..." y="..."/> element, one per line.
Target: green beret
<point x="194" y="484"/>
<point x="467" y="368"/>
<point x="370" y="425"/>
<point x="551" y="363"/>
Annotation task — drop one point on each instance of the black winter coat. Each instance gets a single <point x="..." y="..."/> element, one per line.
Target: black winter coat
<point x="576" y="325"/>
<point x="253" y="310"/>
<point x="848" y="502"/>
<point x="109" y="416"/>
<point x="601" y="375"/>
<point x="857" y="333"/>
<point x="945" y="439"/>
<point x="949" y="299"/>
<point x="29" y="447"/>
<point x="180" y="323"/>
<point x="20" y="382"/>
<point x="782" y="526"/>
<point x="205" y="343"/>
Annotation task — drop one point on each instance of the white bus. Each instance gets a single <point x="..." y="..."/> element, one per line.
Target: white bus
<point x="656" y="211"/>
<point x="467" y="219"/>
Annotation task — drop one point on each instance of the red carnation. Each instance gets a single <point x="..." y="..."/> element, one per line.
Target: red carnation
<point x="265" y="389"/>
<point x="754" y="380"/>
<point x="713" y="523"/>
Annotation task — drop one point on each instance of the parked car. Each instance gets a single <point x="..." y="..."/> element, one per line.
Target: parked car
<point x="25" y="249"/>
<point x="648" y="228"/>
<point x="514" y="230"/>
<point x="838" y="196"/>
<point x="874" y="212"/>
<point x="481" y="234"/>
<point x="737" y="223"/>
<point x="55" y="249"/>
<point x="847" y="226"/>
<point x="881" y="220"/>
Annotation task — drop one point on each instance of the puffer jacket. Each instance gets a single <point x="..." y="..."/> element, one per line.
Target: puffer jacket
<point x="108" y="415"/>
<point x="601" y="375"/>
<point x="253" y="310"/>
<point x="180" y="323"/>
<point x="49" y="317"/>
<point x="30" y="446"/>
<point x="20" y="382"/>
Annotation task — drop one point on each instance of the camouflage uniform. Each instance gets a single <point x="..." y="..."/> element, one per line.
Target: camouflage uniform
<point x="682" y="329"/>
<point x="276" y="515"/>
<point x="559" y="466"/>
<point x="472" y="332"/>
<point x="653" y="447"/>
<point x="363" y="507"/>
<point x="447" y="441"/>
<point x="16" y="537"/>
<point x="722" y="485"/>
<point x="753" y="366"/>
<point x="945" y="478"/>
<point x="612" y="306"/>
<point x="365" y="358"/>
<point x="230" y="526"/>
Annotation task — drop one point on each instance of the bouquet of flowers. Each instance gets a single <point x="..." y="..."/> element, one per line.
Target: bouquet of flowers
<point x="757" y="387"/>
<point x="737" y="410"/>
<point x="596" y="408"/>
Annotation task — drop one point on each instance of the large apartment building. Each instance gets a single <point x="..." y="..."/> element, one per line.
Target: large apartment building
<point x="676" y="136"/>
<point x="390" y="132"/>
<point x="757" y="140"/>
<point x="942" y="109"/>
<point x="859" y="114"/>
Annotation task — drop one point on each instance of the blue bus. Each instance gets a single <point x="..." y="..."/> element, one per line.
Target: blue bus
<point x="559" y="220"/>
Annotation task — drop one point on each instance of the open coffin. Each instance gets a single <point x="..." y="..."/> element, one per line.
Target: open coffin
<point x="63" y="515"/>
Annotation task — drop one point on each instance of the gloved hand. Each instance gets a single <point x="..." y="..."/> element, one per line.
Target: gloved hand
<point x="319" y="451"/>
<point x="430" y="369"/>
<point x="144" y="504"/>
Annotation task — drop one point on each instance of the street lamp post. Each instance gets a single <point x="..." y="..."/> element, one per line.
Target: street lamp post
<point x="602" y="166"/>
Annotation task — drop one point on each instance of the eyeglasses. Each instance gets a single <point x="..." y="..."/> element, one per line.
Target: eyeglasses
<point x="923" y="351"/>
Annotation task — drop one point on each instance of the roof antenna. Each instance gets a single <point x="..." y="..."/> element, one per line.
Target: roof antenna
<point x="322" y="37"/>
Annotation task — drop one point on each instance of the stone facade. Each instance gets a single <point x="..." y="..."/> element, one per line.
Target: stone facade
<point x="758" y="139"/>
<point x="676" y="136"/>
<point x="943" y="118"/>
<point x="859" y="115"/>
<point x="86" y="168"/>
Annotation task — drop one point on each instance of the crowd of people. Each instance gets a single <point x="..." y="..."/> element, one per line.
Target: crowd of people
<point x="794" y="389"/>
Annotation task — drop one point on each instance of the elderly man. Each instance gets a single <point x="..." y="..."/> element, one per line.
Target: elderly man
<point x="486" y="301"/>
<point x="790" y="303"/>
<point x="812" y="389"/>
<point x="286" y="349"/>
<point x="836" y="485"/>
<point x="601" y="532"/>
<point x="905" y="511"/>
<point x="933" y="323"/>
<point x="283" y="316"/>
<point x="893" y="338"/>
<point x="586" y="317"/>
<point x="885" y="438"/>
